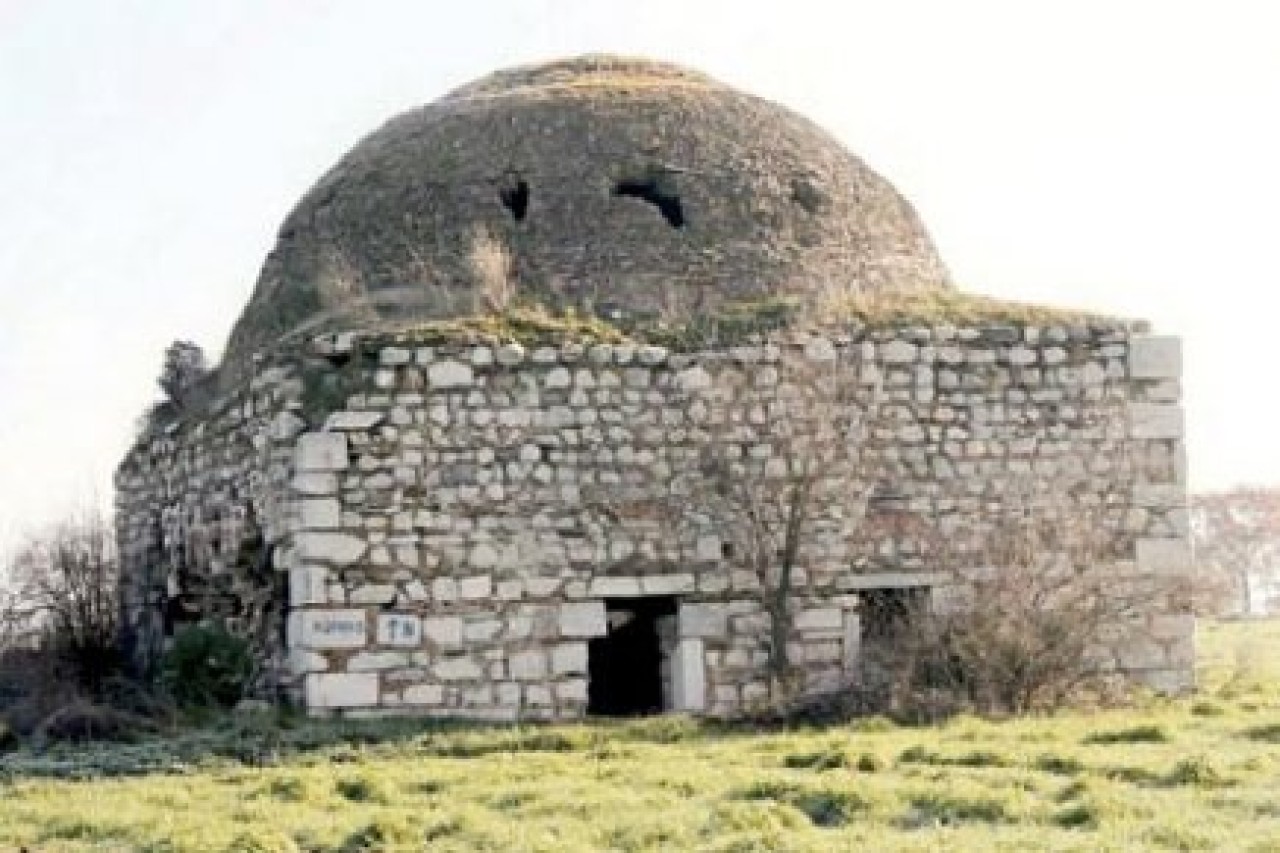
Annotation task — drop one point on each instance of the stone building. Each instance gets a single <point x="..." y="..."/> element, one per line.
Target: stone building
<point x="476" y="442"/>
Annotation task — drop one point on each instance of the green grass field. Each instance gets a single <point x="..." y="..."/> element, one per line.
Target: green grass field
<point x="1201" y="773"/>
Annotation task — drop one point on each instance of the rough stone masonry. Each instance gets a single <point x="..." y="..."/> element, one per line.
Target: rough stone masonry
<point x="407" y="521"/>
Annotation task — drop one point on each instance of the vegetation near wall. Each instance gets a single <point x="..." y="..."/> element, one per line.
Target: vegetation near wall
<point x="1198" y="773"/>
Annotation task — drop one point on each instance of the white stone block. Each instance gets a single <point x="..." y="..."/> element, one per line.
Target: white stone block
<point x="341" y="690"/>
<point x="444" y="590"/>
<point x="573" y="690"/>
<point x="353" y="421"/>
<point x="702" y="620"/>
<point x="820" y="619"/>
<point x="614" y="587"/>
<point x="315" y="483"/>
<point x="852" y="642"/>
<point x="457" y="669"/>
<point x="475" y="588"/>
<point x="569" y="659"/>
<point x="693" y="379"/>
<point x="1164" y="555"/>
<point x="1155" y="357"/>
<point x="1156" y="420"/>
<point x="318" y="514"/>
<point x="449" y="374"/>
<point x="668" y="584"/>
<point x="583" y="619"/>
<point x="373" y="593"/>
<point x="688" y="676"/>
<point x="708" y="548"/>
<point x="423" y="694"/>
<point x="308" y="585"/>
<point x="897" y="352"/>
<point x="378" y="661"/>
<point x="321" y="451"/>
<point x="340" y="549"/>
<point x="327" y="629"/>
<point x="302" y="661"/>
<point x="399" y="629"/>
<point x="528" y="665"/>
<point x="443" y="630"/>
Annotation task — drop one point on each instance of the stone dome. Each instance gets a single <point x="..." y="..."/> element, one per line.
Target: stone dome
<point x="617" y="186"/>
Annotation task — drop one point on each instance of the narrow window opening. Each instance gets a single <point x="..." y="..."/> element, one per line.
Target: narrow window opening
<point x="629" y="667"/>
<point x="514" y="195"/>
<point x="658" y="190"/>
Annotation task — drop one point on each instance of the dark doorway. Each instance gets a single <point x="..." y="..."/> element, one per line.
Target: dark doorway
<point x="625" y="666"/>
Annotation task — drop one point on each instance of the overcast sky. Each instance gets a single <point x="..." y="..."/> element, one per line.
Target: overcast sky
<point x="1119" y="155"/>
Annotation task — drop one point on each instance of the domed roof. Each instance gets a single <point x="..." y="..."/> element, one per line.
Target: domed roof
<point x="617" y="186"/>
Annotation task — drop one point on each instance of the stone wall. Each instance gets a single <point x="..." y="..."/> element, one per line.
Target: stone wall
<point x="455" y="519"/>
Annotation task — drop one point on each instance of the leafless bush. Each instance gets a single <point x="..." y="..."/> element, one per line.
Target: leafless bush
<point x="1036" y="630"/>
<point x="64" y="598"/>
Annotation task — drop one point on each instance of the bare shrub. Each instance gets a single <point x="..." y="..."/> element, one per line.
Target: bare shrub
<point x="1037" y="629"/>
<point x="494" y="270"/>
<point x="798" y="463"/>
<point x="65" y="598"/>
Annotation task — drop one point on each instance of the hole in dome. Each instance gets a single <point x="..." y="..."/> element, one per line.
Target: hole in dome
<point x="658" y="190"/>
<point x="515" y="197"/>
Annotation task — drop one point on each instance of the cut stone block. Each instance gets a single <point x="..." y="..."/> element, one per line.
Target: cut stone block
<point x="569" y="659"/>
<point x="353" y="421"/>
<point x="1155" y="357"/>
<point x="321" y="451"/>
<point x="668" y="584"/>
<point x="1156" y="420"/>
<point x="327" y="629"/>
<point x="614" y="587"/>
<point x="702" y="620"/>
<point x="319" y="514"/>
<point x="423" y="694"/>
<point x="443" y="630"/>
<point x="399" y="629"/>
<point x="341" y="549"/>
<point x="449" y="374"/>
<point x="583" y="619"/>
<point x="1164" y="555"/>
<point x="688" y="676"/>
<point x="308" y="585"/>
<point x="341" y="690"/>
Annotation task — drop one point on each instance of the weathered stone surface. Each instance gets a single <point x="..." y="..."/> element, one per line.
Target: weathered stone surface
<point x="443" y="630"/>
<point x="399" y="629"/>
<point x="689" y="676"/>
<point x="445" y="375"/>
<point x="423" y="694"/>
<point x="1156" y="420"/>
<point x="585" y="619"/>
<point x="606" y="587"/>
<point x="321" y="451"/>
<point x="702" y="620"/>
<point x="1164" y="555"/>
<point x="308" y="585"/>
<point x="1155" y="357"/>
<point x="341" y="690"/>
<point x="354" y="421"/>
<point x="319" y="514"/>
<point x="569" y="659"/>
<point x="340" y="549"/>
<point x="328" y="629"/>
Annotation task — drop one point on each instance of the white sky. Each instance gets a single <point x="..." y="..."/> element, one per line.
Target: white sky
<point x="1119" y="155"/>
